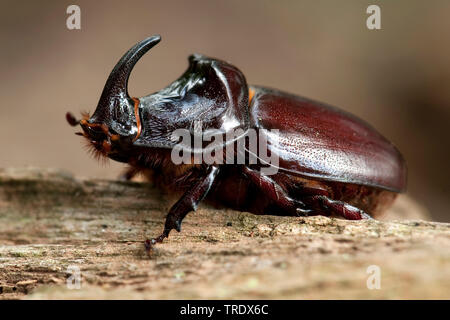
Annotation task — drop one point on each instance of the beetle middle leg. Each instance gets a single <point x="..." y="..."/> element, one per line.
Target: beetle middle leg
<point x="187" y="203"/>
<point x="276" y="193"/>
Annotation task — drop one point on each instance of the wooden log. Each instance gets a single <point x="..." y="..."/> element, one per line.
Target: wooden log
<point x="52" y="224"/>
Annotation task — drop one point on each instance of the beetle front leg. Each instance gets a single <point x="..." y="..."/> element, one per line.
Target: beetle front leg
<point x="187" y="203"/>
<point x="129" y="174"/>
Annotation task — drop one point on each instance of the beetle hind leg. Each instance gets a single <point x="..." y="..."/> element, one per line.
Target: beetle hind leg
<point x="313" y="200"/>
<point x="343" y="209"/>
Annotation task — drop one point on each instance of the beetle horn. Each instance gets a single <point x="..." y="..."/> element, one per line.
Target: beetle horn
<point x="117" y="83"/>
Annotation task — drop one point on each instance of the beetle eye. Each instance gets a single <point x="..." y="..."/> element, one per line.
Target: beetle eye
<point x="95" y="133"/>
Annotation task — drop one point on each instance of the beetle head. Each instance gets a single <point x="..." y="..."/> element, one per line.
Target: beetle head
<point x="211" y="94"/>
<point x="113" y="126"/>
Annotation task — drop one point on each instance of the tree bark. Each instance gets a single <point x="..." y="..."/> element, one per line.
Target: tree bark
<point x="52" y="224"/>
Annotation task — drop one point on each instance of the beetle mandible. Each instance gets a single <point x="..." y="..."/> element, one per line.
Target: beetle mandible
<point x="330" y="162"/>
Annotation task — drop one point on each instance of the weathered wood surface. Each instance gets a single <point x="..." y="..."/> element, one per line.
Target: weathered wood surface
<point x="50" y="221"/>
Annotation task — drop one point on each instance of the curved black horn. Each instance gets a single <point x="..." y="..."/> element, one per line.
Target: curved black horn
<point x="117" y="83"/>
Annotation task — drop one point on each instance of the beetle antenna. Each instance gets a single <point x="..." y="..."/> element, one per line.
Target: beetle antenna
<point x="72" y="120"/>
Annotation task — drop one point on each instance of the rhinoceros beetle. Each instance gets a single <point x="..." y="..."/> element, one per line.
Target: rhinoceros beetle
<point x="329" y="161"/>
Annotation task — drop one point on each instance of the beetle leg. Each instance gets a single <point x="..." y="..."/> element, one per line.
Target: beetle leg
<point x="129" y="174"/>
<point x="276" y="193"/>
<point x="187" y="203"/>
<point x="340" y="208"/>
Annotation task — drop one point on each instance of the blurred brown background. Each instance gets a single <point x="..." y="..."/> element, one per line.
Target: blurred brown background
<point x="397" y="78"/>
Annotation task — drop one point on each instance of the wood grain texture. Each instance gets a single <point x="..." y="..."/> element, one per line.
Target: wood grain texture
<point x="50" y="220"/>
